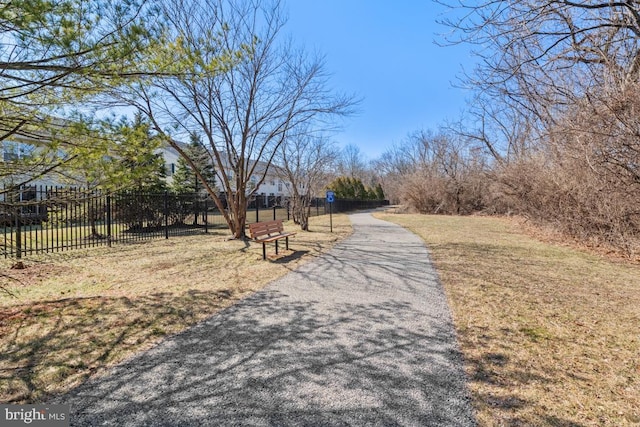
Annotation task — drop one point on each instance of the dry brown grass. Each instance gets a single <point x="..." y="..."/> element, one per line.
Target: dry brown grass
<point x="78" y="312"/>
<point x="550" y="334"/>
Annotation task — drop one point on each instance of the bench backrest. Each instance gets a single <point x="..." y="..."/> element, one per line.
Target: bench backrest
<point x="266" y="228"/>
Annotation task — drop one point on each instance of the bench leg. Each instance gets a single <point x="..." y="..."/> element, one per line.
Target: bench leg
<point x="286" y="239"/>
<point x="264" y="251"/>
<point x="276" y="247"/>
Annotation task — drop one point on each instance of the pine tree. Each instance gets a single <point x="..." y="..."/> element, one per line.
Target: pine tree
<point x="185" y="179"/>
<point x="350" y="188"/>
<point x="137" y="153"/>
<point x="379" y="192"/>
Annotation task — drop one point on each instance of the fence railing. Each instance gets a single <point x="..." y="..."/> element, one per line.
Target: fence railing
<point x="52" y="219"/>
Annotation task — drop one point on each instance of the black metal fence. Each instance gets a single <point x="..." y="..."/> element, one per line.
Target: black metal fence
<point x="52" y="219"/>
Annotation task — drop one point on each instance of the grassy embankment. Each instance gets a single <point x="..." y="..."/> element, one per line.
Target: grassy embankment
<point x="550" y="333"/>
<point x="77" y="312"/>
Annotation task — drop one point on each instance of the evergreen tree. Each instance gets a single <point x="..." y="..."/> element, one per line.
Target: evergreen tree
<point x="359" y="190"/>
<point x="351" y="188"/>
<point x="55" y="56"/>
<point x="185" y="179"/>
<point x="379" y="192"/>
<point x="115" y="155"/>
<point x="138" y="155"/>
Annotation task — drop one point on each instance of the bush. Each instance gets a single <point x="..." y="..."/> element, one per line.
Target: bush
<point x="140" y="211"/>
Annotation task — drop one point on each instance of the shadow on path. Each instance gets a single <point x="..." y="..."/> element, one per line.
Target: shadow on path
<point x="362" y="336"/>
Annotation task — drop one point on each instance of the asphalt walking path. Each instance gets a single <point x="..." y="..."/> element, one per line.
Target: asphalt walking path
<point x="361" y="336"/>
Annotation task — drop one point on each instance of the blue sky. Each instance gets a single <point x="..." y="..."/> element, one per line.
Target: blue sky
<point x="384" y="52"/>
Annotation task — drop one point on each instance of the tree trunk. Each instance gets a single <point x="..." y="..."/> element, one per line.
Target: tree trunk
<point x="239" y="212"/>
<point x="296" y="210"/>
<point x="304" y="224"/>
<point x="305" y="208"/>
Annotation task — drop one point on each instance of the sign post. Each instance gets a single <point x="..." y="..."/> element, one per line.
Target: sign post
<point x="330" y="200"/>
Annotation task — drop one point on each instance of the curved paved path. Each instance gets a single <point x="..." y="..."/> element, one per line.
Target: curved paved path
<point x="361" y="336"/>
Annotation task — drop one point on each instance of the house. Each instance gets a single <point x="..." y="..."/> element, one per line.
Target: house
<point x="22" y="183"/>
<point x="12" y="172"/>
<point x="170" y="156"/>
<point x="272" y="192"/>
<point x="17" y="185"/>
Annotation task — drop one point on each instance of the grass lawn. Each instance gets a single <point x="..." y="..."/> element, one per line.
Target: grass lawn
<point x="75" y="313"/>
<point x="550" y="334"/>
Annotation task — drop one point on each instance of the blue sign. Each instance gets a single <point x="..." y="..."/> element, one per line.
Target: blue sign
<point x="330" y="196"/>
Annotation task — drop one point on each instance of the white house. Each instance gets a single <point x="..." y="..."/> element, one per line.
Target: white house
<point x="170" y="156"/>
<point x="17" y="148"/>
<point x="13" y="175"/>
<point x="272" y="190"/>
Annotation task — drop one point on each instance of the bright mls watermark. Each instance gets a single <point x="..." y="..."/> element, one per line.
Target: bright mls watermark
<point x="34" y="415"/>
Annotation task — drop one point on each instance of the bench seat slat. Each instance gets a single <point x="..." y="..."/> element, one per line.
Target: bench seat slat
<point x="273" y="238"/>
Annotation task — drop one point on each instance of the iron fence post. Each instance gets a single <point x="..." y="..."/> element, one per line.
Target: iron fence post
<point x="331" y="216"/>
<point x="206" y="216"/>
<point x="109" y="220"/>
<point x="18" y="233"/>
<point x="166" y="214"/>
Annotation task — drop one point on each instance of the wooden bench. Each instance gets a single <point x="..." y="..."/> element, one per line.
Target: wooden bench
<point x="269" y="231"/>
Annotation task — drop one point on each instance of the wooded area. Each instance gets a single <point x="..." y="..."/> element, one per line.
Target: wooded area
<point x="553" y="132"/>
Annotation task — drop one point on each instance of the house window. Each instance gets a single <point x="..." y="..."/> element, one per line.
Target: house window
<point x="29" y="193"/>
<point x="12" y="151"/>
<point x="8" y="156"/>
<point x="280" y="186"/>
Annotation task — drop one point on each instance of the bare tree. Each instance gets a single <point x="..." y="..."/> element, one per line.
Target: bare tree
<point x="305" y="162"/>
<point x="557" y="84"/>
<point x="542" y="57"/>
<point x="240" y="85"/>
<point x="435" y="173"/>
<point x="504" y="132"/>
<point x="351" y="162"/>
<point x="394" y="165"/>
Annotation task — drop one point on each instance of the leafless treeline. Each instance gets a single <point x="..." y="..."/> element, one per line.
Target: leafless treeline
<point x="554" y="130"/>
